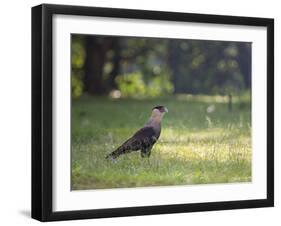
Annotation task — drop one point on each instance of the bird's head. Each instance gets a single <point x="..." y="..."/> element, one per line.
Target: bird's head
<point x="161" y="109"/>
<point x="158" y="113"/>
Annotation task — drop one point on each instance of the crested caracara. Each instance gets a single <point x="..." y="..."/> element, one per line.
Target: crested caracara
<point x="145" y="138"/>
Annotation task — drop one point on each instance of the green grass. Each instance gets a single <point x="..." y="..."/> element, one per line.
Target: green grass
<point x="195" y="147"/>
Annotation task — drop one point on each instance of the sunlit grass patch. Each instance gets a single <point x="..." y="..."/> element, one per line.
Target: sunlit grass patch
<point x="195" y="147"/>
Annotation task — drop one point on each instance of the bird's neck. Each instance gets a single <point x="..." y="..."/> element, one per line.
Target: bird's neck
<point x="155" y="117"/>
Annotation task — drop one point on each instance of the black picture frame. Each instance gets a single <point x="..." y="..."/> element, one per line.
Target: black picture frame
<point x="42" y="107"/>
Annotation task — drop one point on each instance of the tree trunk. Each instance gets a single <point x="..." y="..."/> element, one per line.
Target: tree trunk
<point x="245" y="63"/>
<point x="174" y="59"/>
<point x="116" y="63"/>
<point x="94" y="63"/>
<point x="229" y="102"/>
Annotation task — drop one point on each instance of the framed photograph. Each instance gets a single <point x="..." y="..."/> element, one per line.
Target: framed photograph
<point x="145" y="112"/>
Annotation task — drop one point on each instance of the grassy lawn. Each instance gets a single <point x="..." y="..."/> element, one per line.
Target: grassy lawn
<point x="201" y="142"/>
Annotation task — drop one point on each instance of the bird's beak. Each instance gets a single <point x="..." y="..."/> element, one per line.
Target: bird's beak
<point x="166" y="110"/>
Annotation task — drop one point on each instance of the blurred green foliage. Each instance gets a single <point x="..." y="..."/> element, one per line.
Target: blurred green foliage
<point x="77" y="63"/>
<point x="153" y="67"/>
<point x="76" y="86"/>
<point x="134" y="85"/>
<point x="77" y="53"/>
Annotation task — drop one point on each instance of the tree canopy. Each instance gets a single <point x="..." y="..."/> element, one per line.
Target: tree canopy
<point x="151" y="67"/>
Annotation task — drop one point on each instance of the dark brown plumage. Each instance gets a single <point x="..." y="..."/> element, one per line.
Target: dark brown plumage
<point x="145" y="138"/>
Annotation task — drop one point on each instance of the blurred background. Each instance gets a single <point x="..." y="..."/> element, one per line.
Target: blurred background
<point x="152" y="67"/>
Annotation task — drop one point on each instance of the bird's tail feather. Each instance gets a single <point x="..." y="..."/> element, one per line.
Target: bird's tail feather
<point x="119" y="151"/>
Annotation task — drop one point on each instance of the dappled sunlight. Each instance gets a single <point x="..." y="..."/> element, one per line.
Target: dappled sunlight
<point x="211" y="99"/>
<point x="134" y="85"/>
<point x="189" y="150"/>
<point x="184" y="136"/>
<point x="219" y="152"/>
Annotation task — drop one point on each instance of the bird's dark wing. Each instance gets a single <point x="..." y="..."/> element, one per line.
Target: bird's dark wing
<point x="142" y="139"/>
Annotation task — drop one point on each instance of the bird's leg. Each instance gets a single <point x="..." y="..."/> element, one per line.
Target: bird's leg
<point x="145" y="152"/>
